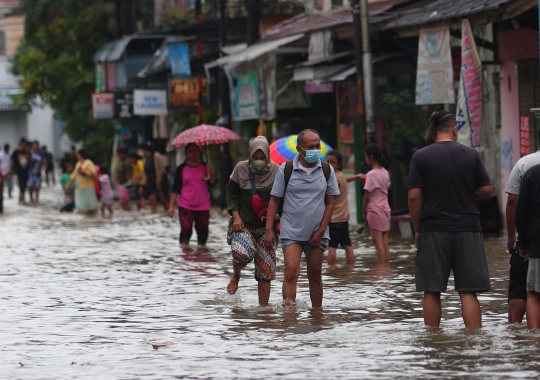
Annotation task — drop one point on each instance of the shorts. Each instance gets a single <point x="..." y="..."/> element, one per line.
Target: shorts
<point x="306" y="247"/>
<point x="339" y="234"/>
<point x="460" y="252"/>
<point x="34" y="181"/>
<point x="517" y="286"/>
<point x="533" y="275"/>
<point x="22" y="179"/>
<point x="248" y="245"/>
<point x="149" y="189"/>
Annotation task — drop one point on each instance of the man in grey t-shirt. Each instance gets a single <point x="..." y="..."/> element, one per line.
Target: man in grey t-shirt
<point x="517" y="287"/>
<point x="307" y="209"/>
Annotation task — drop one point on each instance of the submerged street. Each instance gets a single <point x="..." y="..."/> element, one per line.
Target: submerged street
<point x="91" y="297"/>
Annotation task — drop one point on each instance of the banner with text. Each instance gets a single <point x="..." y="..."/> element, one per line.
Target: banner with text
<point x="469" y="107"/>
<point x="434" y="78"/>
<point x="103" y="105"/>
<point x="150" y="102"/>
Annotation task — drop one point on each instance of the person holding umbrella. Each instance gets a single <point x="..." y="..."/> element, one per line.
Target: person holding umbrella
<point x="190" y="194"/>
<point x="248" y="194"/>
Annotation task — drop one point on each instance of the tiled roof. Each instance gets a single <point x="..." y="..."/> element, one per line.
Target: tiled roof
<point x="303" y="23"/>
<point x="440" y="10"/>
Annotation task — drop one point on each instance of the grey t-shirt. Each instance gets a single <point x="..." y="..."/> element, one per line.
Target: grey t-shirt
<point x="304" y="202"/>
<point x="519" y="170"/>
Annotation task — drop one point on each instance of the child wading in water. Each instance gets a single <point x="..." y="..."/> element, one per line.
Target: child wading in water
<point x="107" y="194"/>
<point x="375" y="207"/>
<point x="339" y="225"/>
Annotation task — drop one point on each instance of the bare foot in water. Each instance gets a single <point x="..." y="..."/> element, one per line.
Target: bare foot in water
<point x="233" y="284"/>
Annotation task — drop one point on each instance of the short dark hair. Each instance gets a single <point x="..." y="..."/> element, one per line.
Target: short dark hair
<point x="339" y="157"/>
<point x="190" y="145"/>
<point x="440" y="121"/>
<point x="373" y="151"/>
<point x="104" y="169"/>
<point x="300" y="137"/>
<point x="84" y="153"/>
<point x="148" y="146"/>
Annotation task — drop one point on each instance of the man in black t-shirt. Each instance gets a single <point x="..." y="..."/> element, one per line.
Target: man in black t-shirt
<point x="19" y="165"/>
<point x="445" y="179"/>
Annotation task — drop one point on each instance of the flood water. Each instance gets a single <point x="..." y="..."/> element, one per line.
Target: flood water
<point x="95" y="298"/>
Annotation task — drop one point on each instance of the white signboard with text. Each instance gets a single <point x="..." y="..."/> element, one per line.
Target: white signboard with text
<point x="103" y="105"/>
<point x="150" y="102"/>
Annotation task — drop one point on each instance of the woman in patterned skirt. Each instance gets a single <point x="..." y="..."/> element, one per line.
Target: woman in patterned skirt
<point x="248" y="194"/>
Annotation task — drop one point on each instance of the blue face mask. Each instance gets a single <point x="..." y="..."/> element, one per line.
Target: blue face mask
<point x="312" y="156"/>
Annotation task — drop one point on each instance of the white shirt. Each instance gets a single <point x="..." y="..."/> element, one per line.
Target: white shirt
<point x="5" y="162"/>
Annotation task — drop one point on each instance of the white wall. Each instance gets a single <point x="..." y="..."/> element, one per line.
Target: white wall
<point x="12" y="127"/>
<point x="40" y="126"/>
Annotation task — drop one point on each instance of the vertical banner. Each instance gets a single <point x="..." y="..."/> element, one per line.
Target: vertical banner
<point x="179" y="59"/>
<point x="434" y="78"/>
<point x="244" y="87"/>
<point x="321" y="45"/>
<point x="525" y="135"/>
<point x="469" y="107"/>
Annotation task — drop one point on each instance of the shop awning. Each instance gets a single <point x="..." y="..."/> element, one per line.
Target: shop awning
<point x="114" y="50"/>
<point x="252" y="52"/>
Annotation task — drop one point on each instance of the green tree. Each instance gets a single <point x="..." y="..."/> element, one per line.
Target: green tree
<point x="54" y="61"/>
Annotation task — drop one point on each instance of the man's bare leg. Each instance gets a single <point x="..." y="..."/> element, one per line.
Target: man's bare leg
<point x="533" y="310"/>
<point x="292" y="255"/>
<point x="263" y="288"/>
<point x="516" y="310"/>
<point x="349" y="255"/>
<point x="332" y="253"/>
<point x="470" y="310"/>
<point x="235" y="279"/>
<point x="314" y="264"/>
<point x="432" y="309"/>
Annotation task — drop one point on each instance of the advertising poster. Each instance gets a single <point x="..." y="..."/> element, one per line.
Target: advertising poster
<point x="525" y="136"/>
<point x="243" y="82"/>
<point x="434" y="78"/>
<point x="123" y="104"/>
<point x="150" y="102"/>
<point x="469" y="107"/>
<point x="179" y="59"/>
<point x="103" y="105"/>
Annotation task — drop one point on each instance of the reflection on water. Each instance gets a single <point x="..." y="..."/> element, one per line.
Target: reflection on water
<point x="92" y="297"/>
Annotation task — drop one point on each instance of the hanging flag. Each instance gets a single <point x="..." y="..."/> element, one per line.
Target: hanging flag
<point x="469" y="107"/>
<point x="434" y="78"/>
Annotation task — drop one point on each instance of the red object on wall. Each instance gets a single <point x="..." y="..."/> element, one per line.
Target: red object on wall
<point x="516" y="45"/>
<point x="525" y="139"/>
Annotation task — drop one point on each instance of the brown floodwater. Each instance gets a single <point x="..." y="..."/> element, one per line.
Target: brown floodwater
<point x="92" y="297"/>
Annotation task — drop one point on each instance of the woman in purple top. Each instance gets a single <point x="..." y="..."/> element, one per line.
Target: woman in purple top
<point x="375" y="207"/>
<point x="190" y="194"/>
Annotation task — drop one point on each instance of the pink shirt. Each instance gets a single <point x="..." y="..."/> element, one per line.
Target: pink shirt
<point x="378" y="209"/>
<point x="106" y="189"/>
<point x="194" y="195"/>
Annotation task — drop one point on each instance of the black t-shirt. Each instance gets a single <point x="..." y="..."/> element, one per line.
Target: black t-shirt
<point x="449" y="174"/>
<point x="528" y="212"/>
<point x="20" y="161"/>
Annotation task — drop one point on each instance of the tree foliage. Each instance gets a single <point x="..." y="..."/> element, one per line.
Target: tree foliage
<point x="54" y="61"/>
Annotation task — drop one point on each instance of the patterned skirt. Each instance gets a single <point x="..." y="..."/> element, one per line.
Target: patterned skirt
<point x="248" y="246"/>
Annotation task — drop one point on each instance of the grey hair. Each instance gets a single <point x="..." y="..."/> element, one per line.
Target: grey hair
<point x="300" y="138"/>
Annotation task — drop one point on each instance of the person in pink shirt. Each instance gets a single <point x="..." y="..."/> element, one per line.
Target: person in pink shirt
<point x="375" y="207"/>
<point x="107" y="195"/>
<point x="190" y="194"/>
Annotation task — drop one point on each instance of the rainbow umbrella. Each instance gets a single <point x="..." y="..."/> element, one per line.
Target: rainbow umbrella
<point x="284" y="149"/>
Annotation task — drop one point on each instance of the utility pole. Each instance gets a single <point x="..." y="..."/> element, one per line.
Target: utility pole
<point x="198" y="22"/>
<point x="360" y="129"/>
<point x="253" y="20"/>
<point x="369" y="94"/>
<point x="225" y="159"/>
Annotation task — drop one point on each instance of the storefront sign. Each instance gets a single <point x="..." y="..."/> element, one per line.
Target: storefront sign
<point x="186" y="92"/>
<point x="434" y="78"/>
<point x="100" y="77"/>
<point x="525" y="136"/>
<point x="314" y="87"/>
<point x="150" y="102"/>
<point x="103" y="105"/>
<point x="179" y="59"/>
<point x="469" y="107"/>
<point x="123" y="104"/>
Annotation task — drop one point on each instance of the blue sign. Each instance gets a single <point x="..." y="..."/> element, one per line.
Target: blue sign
<point x="179" y="59"/>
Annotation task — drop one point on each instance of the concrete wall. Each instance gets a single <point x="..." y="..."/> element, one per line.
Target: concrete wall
<point x="40" y="126"/>
<point x="509" y="133"/>
<point x="12" y="127"/>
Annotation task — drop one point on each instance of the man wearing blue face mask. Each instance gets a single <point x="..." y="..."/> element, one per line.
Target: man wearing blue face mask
<point x="308" y="193"/>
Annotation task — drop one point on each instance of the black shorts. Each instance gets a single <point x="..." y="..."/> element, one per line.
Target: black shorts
<point x="23" y="180"/>
<point x="460" y="252"/>
<point x="149" y="189"/>
<point x="517" y="287"/>
<point x="339" y="234"/>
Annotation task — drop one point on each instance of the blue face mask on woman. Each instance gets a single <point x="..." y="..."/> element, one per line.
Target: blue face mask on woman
<point x="312" y="156"/>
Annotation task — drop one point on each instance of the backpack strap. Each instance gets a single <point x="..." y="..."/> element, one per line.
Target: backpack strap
<point x="326" y="169"/>
<point x="252" y="182"/>
<point x="288" y="173"/>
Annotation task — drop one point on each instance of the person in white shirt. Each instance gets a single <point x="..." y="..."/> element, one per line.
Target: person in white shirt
<point x="5" y="167"/>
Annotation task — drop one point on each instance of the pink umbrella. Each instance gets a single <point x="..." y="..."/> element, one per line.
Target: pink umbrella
<point x="205" y="135"/>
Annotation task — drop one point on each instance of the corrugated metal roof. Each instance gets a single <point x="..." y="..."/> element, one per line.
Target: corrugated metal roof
<point x="160" y="61"/>
<point x="114" y="50"/>
<point x="303" y="23"/>
<point x="441" y="10"/>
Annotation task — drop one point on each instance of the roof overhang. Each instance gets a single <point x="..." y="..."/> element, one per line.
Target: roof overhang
<point x="114" y="50"/>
